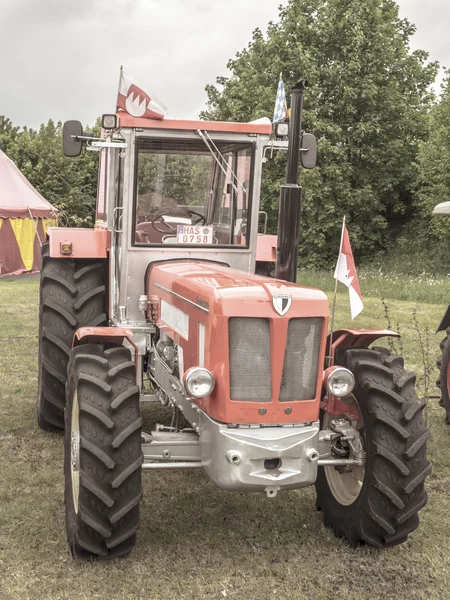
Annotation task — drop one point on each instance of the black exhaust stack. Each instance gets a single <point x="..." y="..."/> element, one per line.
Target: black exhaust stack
<point x="291" y="195"/>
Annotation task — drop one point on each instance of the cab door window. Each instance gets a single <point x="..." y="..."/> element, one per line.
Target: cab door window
<point x="187" y="193"/>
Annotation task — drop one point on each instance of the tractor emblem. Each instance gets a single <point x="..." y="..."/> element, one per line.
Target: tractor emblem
<point x="282" y="303"/>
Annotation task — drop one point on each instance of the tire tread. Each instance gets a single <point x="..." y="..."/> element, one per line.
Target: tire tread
<point x="64" y="282"/>
<point x="110" y="453"/>
<point x="386" y="509"/>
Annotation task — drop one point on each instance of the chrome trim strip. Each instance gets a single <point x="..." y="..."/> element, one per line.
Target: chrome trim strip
<point x="161" y="287"/>
<point x="201" y="344"/>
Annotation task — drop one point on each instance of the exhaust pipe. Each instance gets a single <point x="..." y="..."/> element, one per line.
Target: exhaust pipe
<point x="291" y="195"/>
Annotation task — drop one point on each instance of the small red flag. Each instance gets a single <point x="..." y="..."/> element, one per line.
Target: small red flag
<point x="346" y="273"/>
<point x="133" y="100"/>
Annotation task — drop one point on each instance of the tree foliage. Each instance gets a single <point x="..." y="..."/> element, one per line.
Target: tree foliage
<point x="367" y="104"/>
<point x="69" y="185"/>
<point x="180" y="180"/>
<point x="434" y="175"/>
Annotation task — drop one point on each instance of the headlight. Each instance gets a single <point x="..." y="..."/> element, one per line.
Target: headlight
<point x="198" y="382"/>
<point x="340" y="382"/>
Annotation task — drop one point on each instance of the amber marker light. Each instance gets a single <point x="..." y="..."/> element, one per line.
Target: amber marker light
<point x="65" y="247"/>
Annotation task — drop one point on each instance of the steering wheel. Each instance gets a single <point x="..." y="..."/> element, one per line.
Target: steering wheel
<point x="176" y="212"/>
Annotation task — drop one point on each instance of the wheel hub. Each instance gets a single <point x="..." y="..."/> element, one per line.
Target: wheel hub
<point x="346" y="482"/>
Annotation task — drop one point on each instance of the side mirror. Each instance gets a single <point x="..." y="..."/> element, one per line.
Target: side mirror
<point x="308" y="151"/>
<point x="70" y="138"/>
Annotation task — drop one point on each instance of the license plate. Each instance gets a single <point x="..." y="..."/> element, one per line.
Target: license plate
<point x="195" y="234"/>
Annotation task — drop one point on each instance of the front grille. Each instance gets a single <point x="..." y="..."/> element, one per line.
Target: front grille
<point x="301" y="359"/>
<point x="249" y="353"/>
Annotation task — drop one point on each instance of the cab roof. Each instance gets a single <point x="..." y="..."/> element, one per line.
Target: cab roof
<point x="254" y="128"/>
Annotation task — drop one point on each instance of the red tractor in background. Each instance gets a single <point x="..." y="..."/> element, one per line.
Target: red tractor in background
<point x="443" y="362"/>
<point x="160" y="303"/>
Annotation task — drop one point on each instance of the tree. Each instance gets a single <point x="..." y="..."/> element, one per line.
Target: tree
<point x="68" y="184"/>
<point x="434" y="178"/>
<point x="367" y="104"/>
<point x="8" y="133"/>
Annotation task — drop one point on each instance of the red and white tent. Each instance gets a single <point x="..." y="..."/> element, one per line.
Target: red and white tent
<point x="24" y="218"/>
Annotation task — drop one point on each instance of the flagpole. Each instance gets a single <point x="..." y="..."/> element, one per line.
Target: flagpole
<point x="330" y="356"/>
<point x="281" y="76"/>
<point x="118" y="87"/>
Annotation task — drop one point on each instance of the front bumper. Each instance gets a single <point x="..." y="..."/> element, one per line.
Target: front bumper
<point x="239" y="459"/>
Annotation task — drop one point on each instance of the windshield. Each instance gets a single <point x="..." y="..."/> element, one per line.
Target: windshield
<point x="192" y="193"/>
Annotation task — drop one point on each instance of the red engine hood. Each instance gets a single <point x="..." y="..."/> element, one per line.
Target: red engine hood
<point x="229" y="292"/>
<point x="192" y="302"/>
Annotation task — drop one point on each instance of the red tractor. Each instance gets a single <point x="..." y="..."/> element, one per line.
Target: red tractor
<point x="160" y="303"/>
<point x="443" y="362"/>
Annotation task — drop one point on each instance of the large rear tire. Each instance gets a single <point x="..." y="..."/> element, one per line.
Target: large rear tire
<point x="72" y="295"/>
<point x="103" y="455"/>
<point x="267" y="269"/>
<point x="442" y="381"/>
<point x="380" y="505"/>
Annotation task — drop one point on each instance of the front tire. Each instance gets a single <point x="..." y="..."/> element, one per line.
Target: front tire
<point x="381" y="505"/>
<point x="103" y="456"/>
<point x="72" y="295"/>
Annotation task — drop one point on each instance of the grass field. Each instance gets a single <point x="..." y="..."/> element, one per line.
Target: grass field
<point x="196" y="541"/>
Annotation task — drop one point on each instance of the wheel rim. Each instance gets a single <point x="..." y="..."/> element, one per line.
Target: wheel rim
<point x="347" y="486"/>
<point x="75" y="451"/>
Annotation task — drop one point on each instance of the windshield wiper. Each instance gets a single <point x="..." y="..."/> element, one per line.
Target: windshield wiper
<point x="205" y="137"/>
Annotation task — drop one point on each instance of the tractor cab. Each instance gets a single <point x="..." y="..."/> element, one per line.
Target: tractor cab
<point x="175" y="189"/>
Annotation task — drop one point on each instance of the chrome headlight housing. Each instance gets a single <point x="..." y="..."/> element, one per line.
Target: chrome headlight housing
<point x="198" y="382"/>
<point x="340" y="382"/>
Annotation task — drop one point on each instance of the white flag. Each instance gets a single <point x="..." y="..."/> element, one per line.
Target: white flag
<point x="346" y="273"/>
<point x="133" y="100"/>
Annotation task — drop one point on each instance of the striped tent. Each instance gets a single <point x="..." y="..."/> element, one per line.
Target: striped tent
<point x="24" y="218"/>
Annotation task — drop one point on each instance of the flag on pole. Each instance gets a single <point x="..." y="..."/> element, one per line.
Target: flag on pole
<point x="346" y="273"/>
<point x="133" y="100"/>
<point x="279" y="112"/>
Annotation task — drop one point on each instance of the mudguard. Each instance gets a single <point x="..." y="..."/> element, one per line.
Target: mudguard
<point x="356" y="338"/>
<point x="84" y="243"/>
<point x="350" y="338"/>
<point x="96" y="335"/>
<point x="84" y="335"/>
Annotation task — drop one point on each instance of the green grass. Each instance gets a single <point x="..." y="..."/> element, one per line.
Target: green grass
<point x="424" y="288"/>
<point x="195" y="540"/>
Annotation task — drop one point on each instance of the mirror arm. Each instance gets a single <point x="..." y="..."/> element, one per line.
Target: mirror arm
<point x="85" y="137"/>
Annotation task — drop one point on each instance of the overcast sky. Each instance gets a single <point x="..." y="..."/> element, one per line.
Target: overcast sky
<point x="61" y="58"/>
